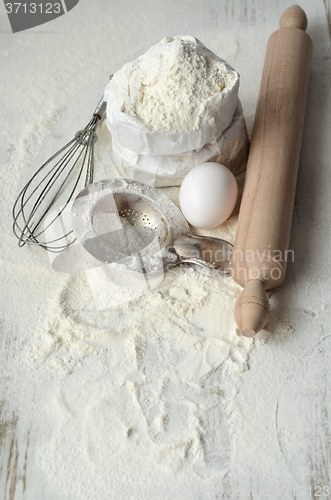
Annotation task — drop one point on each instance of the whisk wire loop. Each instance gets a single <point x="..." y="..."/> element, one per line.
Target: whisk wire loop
<point x="31" y="211"/>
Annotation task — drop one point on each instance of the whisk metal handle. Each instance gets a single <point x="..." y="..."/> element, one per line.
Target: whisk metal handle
<point x="100" y="109"/>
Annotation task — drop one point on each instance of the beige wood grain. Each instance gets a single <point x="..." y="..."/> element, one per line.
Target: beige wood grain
<point x="265" y="216"/>
<point x="13" y="460"/>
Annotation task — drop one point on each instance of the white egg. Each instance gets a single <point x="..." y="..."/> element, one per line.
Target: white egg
<point x="208" y="195"/>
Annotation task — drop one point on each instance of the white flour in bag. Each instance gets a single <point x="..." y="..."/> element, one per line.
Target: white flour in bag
<point x="230" y="148"/>
<point x="176" y="97"/>
<point x="170" y="88"/>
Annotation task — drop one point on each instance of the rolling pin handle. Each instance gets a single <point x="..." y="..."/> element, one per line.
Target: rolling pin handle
<point x="294" y="17"/>
<point x="252" y="308"/>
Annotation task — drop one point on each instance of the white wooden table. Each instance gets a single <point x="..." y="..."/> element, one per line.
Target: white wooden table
<point x="279" y="369"/>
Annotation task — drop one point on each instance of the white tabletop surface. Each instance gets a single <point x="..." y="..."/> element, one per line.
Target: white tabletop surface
<point x="51" y="77"/>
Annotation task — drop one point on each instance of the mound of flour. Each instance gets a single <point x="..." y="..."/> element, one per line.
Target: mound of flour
<point x="171" y="87"/>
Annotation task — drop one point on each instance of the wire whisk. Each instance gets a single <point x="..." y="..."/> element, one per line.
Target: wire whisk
<point x="53" y="186"/>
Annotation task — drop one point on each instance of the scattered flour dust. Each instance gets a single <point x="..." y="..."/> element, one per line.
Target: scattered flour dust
<point x="72" y="329"/>
<point x="147" y="386"/>
<point x="125" y="400"/>
<point x="155" y="379"/>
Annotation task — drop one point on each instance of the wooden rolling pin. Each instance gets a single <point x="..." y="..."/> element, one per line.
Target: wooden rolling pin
<point x="261" y="246"/>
